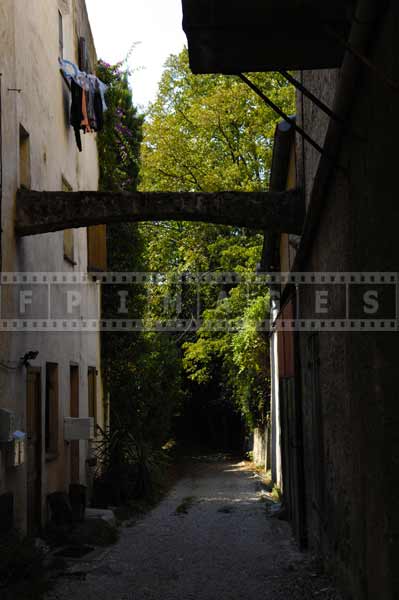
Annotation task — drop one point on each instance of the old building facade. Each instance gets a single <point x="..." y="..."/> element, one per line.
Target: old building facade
<point x="335" y="338"/>
<point x="337" y="429"/>
<point x="61" y="377"/>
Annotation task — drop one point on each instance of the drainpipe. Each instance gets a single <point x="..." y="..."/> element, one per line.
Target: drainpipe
<point x="1" y="173"/>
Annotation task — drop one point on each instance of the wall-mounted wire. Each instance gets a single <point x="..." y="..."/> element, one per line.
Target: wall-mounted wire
<point x="8" y="366"/>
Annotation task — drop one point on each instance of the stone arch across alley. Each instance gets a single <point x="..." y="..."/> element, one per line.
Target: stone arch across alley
<point x="44" y="212"/>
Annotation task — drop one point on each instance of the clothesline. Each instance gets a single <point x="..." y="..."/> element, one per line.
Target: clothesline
<point x="88" y="100"/>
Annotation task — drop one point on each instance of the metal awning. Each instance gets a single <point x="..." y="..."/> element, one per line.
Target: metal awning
<point x="232" y="36"/>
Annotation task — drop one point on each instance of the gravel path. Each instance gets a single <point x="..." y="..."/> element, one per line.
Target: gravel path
<point x="209" y="539"/>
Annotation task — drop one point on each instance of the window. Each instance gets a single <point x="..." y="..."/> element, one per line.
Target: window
<point x="51" y="416"/>
<point x="92" y="391"/>
<point x="69" y="245"/>
<point x="60" y="35"/>
<point x="24" y="158"/>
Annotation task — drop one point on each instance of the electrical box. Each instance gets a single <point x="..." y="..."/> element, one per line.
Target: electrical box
<point x="15" y="456"/>
<point x="7" y="425"/>
<point x="78" y="429"/>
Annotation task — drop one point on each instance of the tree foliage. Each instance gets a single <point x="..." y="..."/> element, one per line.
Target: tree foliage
<point x="119" y="142"/>
<point x="211" y="133"/>
<point x="141" y="370"/>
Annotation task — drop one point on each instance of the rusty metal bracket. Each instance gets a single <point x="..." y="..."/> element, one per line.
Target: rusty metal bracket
<point x="319" y="103"/>
<point x="281" y="113"/>
<point x="286" y="118"/>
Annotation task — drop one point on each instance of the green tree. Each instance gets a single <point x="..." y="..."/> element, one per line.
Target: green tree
<point x="119" y="142"/>
<point x="211" y="133"/>
<point x="141" y="370"/>
<point x="119" y="159"/>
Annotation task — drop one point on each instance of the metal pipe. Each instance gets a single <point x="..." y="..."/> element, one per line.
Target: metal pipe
<point x="299" y="86"/>
<point x="320" y="104"/>
<point x="281" y="113"/>
<point x="1" y="169"/>
<point x="1" y="146"/>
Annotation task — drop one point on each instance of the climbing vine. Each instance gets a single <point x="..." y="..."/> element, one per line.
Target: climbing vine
<point x="119" y="142"/>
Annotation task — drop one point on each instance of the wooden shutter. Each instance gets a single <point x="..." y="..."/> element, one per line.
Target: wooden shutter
<point x="97" y="248"/>
<point x="52" y="410"/>
<point x="74" y="408"/>
<point x="69" y="236"/>
<point x="83" y="56"/>
<point x="34" y="449"/>
<point x="92" y="392"/>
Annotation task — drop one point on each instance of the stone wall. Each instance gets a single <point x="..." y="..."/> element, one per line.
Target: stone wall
<point x="351" y="419"/>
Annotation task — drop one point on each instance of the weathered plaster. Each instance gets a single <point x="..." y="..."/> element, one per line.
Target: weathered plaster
<point x="28" y="61"/>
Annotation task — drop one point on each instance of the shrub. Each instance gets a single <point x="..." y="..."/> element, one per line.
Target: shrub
<point x="22" y="571"/>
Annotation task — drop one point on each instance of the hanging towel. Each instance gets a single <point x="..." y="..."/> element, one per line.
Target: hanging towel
<point x="85" y="124"/>
<point x="76" y="112"/>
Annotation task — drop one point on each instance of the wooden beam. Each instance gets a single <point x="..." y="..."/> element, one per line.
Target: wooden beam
<point x="44" y="212"/>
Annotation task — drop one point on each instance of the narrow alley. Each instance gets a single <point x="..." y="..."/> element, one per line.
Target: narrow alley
<point x="210" y="538"/>
<point x="199" y="250"/>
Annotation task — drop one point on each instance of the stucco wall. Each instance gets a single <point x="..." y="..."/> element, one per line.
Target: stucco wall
<point x="28" y="60"/>
<point x="261" y="448"/>
<point x="354" y="521"/>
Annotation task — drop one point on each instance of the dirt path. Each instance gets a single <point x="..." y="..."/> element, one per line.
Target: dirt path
<point x="209" y="539"/>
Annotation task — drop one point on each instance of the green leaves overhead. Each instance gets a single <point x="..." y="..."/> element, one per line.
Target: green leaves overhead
<point x="210" y="132"/>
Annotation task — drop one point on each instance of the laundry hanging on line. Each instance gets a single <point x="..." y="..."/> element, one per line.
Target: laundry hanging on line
<point x="88" y="100"/>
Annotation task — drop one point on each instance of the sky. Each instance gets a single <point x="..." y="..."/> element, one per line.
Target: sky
<point x="156" y="25"/>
